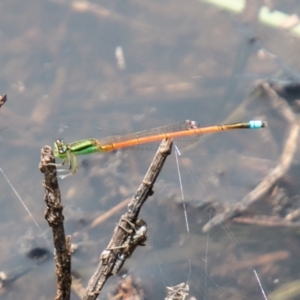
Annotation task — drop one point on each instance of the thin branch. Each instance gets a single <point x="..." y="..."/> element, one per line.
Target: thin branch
<point x="178" y="292"/>
<point x="266" y="221"/>
<point x="3" y="99"/>
<point x="131" y="231"/>
<point x="99" y="220"/>
<point x="55" y="218"/>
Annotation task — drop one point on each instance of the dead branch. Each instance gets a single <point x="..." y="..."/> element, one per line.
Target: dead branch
<point x="55" y="218"/>
<point x="130" y="232"/>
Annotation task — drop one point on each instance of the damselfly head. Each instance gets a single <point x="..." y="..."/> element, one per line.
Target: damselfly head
<point x="60" y="148"/>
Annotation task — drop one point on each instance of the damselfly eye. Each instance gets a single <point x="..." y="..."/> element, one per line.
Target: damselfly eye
<point x="61" y="146"/>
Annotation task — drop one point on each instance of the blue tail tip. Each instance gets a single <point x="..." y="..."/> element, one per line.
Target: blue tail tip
<point x="257" y="124"/>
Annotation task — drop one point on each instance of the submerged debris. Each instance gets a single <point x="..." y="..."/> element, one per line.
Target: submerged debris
<point x="178" y="292"/>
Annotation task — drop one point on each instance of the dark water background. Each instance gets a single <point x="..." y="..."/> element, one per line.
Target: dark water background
<point x="184" y="60"/>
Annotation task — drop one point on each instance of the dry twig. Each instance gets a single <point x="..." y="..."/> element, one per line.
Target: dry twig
<point x="130" y="232"/>
<point x="178" y="292"/>
<point x="3" y="99"/>
<point x="55" y="218"/>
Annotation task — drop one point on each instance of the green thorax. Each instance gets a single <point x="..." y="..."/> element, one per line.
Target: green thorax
<point x="87" y="146"/>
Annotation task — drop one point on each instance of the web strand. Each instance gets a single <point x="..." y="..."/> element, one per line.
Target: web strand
<point x="24" y="205"/>
<point x="177" y="153"/>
